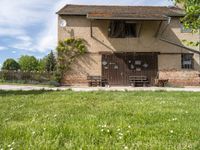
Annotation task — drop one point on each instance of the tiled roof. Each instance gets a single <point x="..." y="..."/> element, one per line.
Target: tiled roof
<point x="116" y="16"/>
<point x="113" y="10"/>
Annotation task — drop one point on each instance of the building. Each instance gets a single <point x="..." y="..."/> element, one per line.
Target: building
<point x="126" y="41"/>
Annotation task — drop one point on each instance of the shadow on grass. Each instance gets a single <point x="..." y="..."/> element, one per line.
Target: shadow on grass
<point x="8" y="93"/>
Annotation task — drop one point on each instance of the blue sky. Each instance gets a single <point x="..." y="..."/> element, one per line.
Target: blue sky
<point x="29" y="26"/>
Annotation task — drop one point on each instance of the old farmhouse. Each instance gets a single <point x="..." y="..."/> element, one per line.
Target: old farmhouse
<point x="129" y="45"/>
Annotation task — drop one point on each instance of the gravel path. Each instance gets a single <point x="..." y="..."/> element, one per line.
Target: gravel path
<point x="87" y="89"/>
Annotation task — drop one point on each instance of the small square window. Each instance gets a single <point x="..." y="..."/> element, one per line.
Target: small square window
<point x="187" y="61"/>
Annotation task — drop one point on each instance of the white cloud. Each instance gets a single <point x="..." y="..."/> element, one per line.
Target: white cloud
<point x="17" y="16"/>
<point x="14" y="52"/>
<point x="2" y="48"/>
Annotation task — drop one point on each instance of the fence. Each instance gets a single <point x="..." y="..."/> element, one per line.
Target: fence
<point x="33" y="77"/>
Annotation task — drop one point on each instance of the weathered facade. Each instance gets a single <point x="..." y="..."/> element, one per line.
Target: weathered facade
<point x="157" y="51"/>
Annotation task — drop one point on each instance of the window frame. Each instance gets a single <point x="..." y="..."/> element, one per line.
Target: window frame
<point x="184" y="58"/>
<point x="126" y="24"/>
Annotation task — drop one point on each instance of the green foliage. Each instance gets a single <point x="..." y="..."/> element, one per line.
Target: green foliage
<point x="47" y="120"/>
<point x="192" y="17"/>
<point x="10" y="64"/>
<point x="68" y="51"/>
<point x="28" y="63"/>
<point x="50" y="62"/>
<point x="42" y="64"/>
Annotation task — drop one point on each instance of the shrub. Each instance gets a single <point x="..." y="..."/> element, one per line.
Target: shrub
<point x="10" y="64"/>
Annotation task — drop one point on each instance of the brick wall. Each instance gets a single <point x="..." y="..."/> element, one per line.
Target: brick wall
<point x="181" y="78"/>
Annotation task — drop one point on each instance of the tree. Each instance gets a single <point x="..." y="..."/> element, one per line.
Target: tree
<point x="192" y="17"/>
<point x="42" y="64"/>
<point x="10" y="64"/>
<point x="28" y="63"/>
<point x="51" y="62"/>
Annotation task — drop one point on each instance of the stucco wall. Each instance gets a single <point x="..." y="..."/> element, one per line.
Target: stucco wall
<point x="79" y="27"/>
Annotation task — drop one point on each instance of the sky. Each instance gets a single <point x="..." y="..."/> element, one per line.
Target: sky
<point x="29" y="27"/>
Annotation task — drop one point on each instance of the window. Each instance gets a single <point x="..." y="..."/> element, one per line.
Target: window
<point x="187" y="61"/>
<point x="185" y="30"/>
<point x="122" y="29"/>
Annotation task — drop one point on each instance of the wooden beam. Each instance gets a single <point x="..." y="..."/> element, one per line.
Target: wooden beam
<point x="139" y="30"/>
<point x="158" y="30"/>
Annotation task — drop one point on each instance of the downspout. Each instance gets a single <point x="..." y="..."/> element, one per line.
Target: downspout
<point x="173" y="43"/>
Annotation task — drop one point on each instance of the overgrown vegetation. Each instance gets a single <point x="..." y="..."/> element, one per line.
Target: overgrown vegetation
<point x="99" y="120"/>
<point x="69" y="50"/>
<point x="192" y="17"/>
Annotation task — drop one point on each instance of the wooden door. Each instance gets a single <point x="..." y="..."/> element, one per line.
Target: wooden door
<point x="113" y="69"/>
<point x="117" y="68"/>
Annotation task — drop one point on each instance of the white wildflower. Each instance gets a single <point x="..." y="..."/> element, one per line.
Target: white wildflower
<point x="129" y="126"/>
<point x="171" y="131"/>
<point x="120" y="137"/>
<point x="125" y="147"/>
<point x="174" y="119"/>
<point x="102" y="130"/>
<point x="121" y="134"/>
<point x="33" y="132"/>
<point x="104" y="126"/>
<point x="9" y="145"/>
<point x="118" y="129"/>
<point x="108" y="130"/>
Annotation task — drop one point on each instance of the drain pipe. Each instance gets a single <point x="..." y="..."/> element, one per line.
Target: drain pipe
<point x="173" y="43"/>
<point x="168" y="22"/>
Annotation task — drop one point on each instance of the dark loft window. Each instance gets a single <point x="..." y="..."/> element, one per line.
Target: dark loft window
<point x="187" y="61"/>
<point x="122" y="29"/>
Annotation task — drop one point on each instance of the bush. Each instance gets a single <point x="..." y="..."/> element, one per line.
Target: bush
<point x="10" y="64"/>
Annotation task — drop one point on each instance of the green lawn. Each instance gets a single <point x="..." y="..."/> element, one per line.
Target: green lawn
<point x="99" y="120"/>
